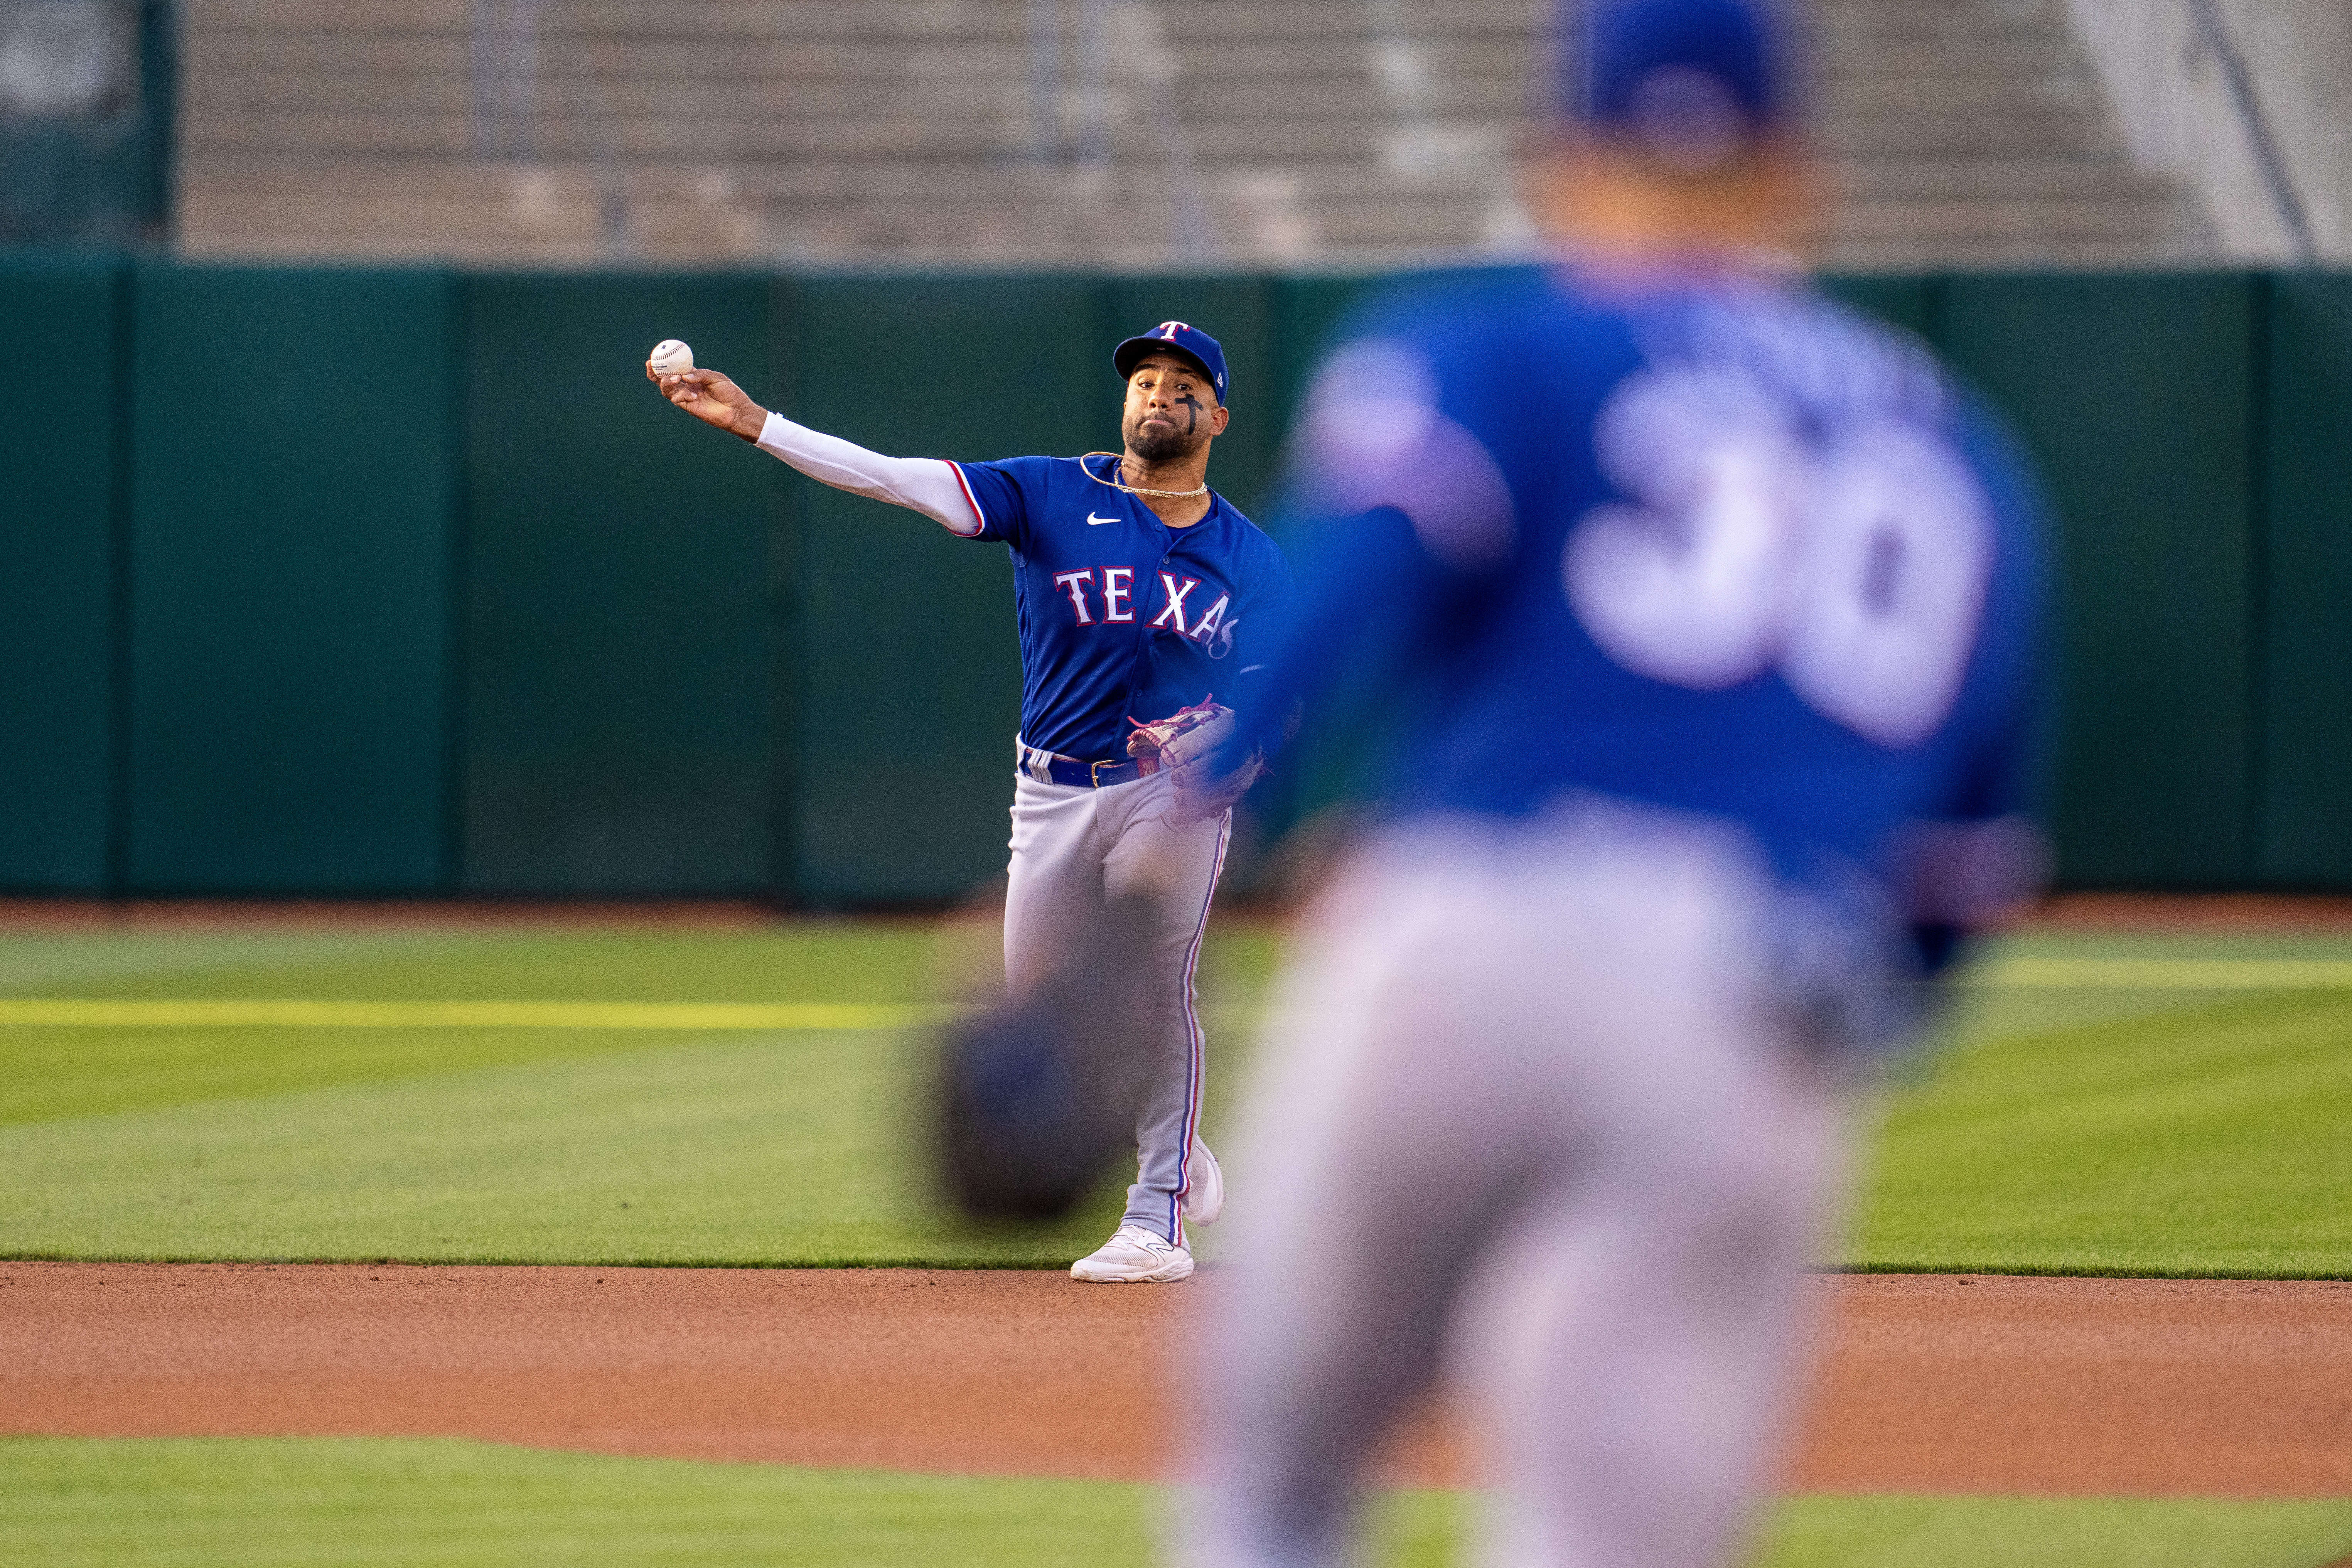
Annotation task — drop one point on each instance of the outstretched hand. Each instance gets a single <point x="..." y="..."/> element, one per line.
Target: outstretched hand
<point x="710" y="397"/>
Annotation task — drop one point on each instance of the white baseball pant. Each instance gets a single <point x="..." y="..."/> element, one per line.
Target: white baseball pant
<point x="1525" y="1109"/>
<point x="1071" y="849"/>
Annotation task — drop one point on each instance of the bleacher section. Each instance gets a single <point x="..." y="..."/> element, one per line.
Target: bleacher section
<point x="1023" y="131"/>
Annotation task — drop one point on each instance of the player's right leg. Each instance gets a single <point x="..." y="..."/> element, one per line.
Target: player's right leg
<point x="1053" y="881"/>
<point x="1053" y="890"/>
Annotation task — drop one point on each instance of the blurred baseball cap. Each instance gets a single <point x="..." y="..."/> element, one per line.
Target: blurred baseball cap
<point x="1694" y="84"/>
<point x="1184" y="339"/>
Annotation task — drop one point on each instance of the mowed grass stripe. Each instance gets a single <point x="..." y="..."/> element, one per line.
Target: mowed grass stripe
<point x="2024" y="972"/>
<point x="265" y="1013"/>
<point x="455" y="1503"/>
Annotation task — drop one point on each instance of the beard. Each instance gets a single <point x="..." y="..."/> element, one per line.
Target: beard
<point x="1160" y="446"/>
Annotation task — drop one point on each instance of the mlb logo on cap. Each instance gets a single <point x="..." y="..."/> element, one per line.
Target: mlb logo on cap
<point x="1184" y="338"/>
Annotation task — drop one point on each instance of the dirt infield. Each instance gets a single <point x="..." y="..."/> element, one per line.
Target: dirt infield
<point x="1956" y="1384"/>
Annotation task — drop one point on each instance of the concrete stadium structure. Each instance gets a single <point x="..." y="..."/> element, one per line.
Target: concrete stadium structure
<point x="1123" y="133"/>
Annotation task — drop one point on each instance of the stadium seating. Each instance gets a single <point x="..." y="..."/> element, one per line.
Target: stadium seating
<point x="1028" y="132"/>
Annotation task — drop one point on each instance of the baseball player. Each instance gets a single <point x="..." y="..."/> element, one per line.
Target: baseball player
<point x="1714" y="603"/>
<point x="1141" y="595"/>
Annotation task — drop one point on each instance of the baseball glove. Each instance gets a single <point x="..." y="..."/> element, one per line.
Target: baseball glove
<point x="1187" y="732"/>
<point x="1182" y="743"/>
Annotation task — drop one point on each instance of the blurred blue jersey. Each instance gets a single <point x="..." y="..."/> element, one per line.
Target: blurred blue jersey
<point x="1714" y="545"/>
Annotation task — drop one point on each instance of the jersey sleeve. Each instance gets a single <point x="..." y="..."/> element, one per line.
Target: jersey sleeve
<point x="1003" y="495"/>
<point x="1380" y="432"/>
<point x="1266" y="616"/>
<point x="1324" y="643"/>
<point x="930" y="486"/>
<point x="1393" y="502"/>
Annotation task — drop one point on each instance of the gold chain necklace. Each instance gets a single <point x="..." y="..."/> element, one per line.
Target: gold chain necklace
<point x="1132" y="489"/>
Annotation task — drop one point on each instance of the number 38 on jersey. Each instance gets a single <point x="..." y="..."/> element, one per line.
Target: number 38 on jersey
<point x="1853" y="562"/>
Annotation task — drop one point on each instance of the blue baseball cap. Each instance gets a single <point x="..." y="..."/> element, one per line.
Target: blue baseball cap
<point x="1184" y="339"/>
<point x="1692" y="83"/>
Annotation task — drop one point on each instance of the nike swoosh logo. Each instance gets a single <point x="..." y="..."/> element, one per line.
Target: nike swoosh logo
<point x="1099" y="521"/>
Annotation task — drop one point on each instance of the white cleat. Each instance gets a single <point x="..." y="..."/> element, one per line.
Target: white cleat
<point x="1205" y="1189"/>
<point x="1133" y="1256"/>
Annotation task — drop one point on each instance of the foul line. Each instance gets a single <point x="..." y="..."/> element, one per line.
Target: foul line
<point x="79" y="1012"/>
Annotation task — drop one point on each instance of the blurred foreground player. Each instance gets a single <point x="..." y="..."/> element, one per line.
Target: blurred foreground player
<point x="1141" y="593"/>
<point x="1714" y="606"/>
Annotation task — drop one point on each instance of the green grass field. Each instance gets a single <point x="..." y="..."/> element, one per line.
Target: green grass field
<point x="2169" y="1106"/>
<point x="2147" y="1105"/>
<point x="447" y="1503"/>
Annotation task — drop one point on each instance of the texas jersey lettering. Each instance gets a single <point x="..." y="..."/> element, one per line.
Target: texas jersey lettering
<point x="1118" y="589"/>
<point x="1120" y="616"/>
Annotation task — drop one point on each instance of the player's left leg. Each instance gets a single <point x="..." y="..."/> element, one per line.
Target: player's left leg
<point x="1331" y="1320"/>
<point x="1179" y="869"/>
<point x="1635" y="1345"/>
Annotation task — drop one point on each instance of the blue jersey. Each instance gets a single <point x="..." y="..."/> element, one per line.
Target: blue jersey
<point x="1720" y="547"/>
<point x="1122" y="617"/>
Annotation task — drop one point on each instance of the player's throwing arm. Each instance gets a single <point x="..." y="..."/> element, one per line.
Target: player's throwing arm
<point x="920" y="484"/>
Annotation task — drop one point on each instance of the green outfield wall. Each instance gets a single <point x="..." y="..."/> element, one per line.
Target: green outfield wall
<point x="64" y="525"/>
<point x="368" y="582"/>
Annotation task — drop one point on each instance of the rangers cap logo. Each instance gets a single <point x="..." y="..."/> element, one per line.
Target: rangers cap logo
<point x="1182" y="336"/>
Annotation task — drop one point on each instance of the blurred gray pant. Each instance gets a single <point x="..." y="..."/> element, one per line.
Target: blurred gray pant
<point x="1526" y="1105"/>
<point x="1073" y="847"/>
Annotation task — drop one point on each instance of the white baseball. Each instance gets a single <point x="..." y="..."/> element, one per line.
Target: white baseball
<point x="669" y="357"/>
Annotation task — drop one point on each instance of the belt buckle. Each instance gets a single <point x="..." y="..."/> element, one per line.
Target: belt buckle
<point x="1094" y="770"/>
